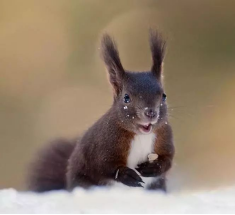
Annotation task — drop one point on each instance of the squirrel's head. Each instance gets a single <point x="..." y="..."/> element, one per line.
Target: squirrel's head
<point x="139" y="98"/>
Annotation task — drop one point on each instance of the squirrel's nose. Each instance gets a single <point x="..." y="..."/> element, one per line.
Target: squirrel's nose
<point x="150" y="113"/>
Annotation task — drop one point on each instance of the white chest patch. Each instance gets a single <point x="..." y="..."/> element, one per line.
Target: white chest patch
<point x="141" y="146"/>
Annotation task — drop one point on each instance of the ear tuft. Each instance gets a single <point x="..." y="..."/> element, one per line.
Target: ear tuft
<point x="112" y="61"/>
<point x="157" y="45"/>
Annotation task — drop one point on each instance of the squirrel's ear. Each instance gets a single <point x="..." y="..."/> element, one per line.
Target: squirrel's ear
<point x="112" y="61"/>
<point x="157" y="45"/>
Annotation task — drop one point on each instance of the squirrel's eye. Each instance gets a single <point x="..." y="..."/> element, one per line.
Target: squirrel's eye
<point x="163" y="97"/>
<point x="127" y="98"/>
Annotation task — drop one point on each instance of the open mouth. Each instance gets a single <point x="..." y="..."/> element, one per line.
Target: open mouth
<point x="146" y="128"/>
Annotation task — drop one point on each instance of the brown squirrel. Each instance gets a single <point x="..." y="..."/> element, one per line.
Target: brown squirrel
<point x="115" y="149"/>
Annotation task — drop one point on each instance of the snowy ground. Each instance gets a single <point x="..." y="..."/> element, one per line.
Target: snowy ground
<point x="118" y="201"/>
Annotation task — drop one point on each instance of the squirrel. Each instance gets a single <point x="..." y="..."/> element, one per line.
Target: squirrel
<point x="115" y="149"/>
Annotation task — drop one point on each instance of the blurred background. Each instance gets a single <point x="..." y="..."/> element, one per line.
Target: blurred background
<point x="53" y="83"/>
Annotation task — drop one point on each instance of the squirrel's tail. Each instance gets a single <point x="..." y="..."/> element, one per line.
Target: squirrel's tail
<point x="48" y="171"/>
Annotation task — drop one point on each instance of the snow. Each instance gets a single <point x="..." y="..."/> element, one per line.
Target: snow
<point x="129" y="200"/>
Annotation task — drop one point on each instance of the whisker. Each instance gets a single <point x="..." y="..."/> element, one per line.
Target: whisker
<point x="192" y="107"/>
<point x="176" y="118"/>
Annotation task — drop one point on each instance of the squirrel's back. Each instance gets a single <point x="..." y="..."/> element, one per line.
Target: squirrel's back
<point x="48" y="171"/>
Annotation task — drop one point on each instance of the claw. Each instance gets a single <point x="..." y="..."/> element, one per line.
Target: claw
<point x="143" y="164"/>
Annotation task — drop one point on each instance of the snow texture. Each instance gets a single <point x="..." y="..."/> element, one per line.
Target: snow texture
<point x="118" y="201"/>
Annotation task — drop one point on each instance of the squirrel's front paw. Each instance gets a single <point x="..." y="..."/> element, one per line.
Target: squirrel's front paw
<point x="128" y="177"/>
<point x="149" y="169"/>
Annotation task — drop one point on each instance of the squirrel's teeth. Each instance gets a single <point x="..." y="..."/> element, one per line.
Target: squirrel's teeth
<point x="146" y="124"/>
<point x="146" y="128"/>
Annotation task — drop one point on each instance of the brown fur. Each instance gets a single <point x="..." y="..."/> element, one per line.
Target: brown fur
<point x="47" y="172"/>
<point x="103" y="149"/>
